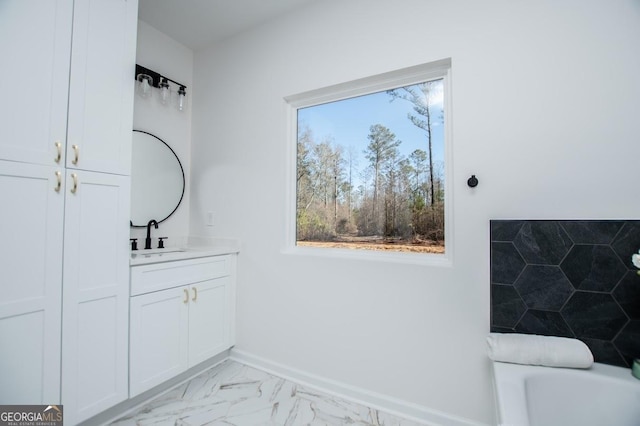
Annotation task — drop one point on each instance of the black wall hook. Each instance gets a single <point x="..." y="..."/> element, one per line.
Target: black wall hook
<point x="472" y="181"/>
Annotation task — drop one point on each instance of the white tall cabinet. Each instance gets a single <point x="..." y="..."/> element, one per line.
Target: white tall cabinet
<point x="96" y="233"/>
<point x="65" y="147"/>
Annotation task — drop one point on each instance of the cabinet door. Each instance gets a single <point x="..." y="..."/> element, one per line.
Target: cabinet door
<point x="34" y="79"/>
<point x="159" y="335"/>
<point x="95" y="293"/>
<point x="102" y="82"/>
<point x="208" y="319"/>
<point x="31" y="277"/>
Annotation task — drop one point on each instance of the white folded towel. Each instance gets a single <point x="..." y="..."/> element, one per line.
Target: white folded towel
<point x="532" y="349"/>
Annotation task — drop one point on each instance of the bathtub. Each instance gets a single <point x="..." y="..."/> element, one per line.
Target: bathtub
<point x="544" y="396"/>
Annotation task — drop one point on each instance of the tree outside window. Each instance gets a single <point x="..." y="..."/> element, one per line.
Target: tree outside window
<point x="370" y="171"/>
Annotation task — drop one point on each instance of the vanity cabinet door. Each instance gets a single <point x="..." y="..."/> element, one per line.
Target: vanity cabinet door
<point x="175" y="329"/>
<point x="208" y="319"/>
<point x="102" y="85"/>
<point x="31" y="283"/>
<point x="34" y="79"/>
<point x="159" y="333"/>
<point x="95" y="293"/>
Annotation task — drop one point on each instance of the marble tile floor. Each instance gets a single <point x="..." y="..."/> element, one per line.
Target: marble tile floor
<point x="234" y="394"/>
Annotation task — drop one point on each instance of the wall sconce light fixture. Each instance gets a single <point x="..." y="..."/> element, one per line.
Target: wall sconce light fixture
<point x="148" y="79"/>
<point x="145" y="83"/>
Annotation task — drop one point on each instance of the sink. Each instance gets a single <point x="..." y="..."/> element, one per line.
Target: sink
<point x="155" y="252"/>
<point x="169" y="254"/>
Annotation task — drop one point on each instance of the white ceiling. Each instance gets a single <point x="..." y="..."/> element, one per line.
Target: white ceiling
<point x="199" y="23"/>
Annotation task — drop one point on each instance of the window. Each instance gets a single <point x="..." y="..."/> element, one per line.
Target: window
<point x="371" y="163"/>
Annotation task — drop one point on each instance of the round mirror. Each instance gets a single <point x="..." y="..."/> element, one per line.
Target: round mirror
<point x="157" y="179"/>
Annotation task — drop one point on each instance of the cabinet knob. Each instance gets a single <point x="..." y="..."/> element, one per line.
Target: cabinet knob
<point x="59" y="152"/>
<point x="186" y="296"/>
<point x="74" y="188"/>
<point x="59" y="181"/>
<point x="76" y="154"/>
<point x="195" y="293"/>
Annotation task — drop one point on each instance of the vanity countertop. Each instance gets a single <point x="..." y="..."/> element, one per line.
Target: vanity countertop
<point x="187" y="251"/>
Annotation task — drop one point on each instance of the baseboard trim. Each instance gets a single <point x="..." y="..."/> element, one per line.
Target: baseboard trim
<point x="408" y="410"/>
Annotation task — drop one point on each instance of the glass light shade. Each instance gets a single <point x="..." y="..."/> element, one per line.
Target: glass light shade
<point x="165" y="93"/>
<point x="182" y="98"/>
<point x="145" y="84"/>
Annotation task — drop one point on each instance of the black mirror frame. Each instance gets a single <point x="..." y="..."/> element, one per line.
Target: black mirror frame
<point x="184" y="182"/>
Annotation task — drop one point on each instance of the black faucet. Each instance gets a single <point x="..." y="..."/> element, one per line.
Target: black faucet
<point x="147" y="242"/>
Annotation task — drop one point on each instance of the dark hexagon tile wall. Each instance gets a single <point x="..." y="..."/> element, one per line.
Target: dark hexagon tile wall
<point x="542" y="242"/>
<point x="594" y="315"/>
<point x="508" y="306"/>
<point x="543" y="287"/>
<point x="627" y="294"/>
<point x="593" y="267"/>
<point x="571" y="279"/>
<point x="543" y="322"/>
<point x="585" y="232"/>
<point x="508" y="263"/>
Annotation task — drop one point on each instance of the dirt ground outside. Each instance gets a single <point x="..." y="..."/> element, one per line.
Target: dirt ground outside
<point x="379" y="244"/>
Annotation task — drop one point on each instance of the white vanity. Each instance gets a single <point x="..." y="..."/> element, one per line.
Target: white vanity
<point x="182" y="310"/>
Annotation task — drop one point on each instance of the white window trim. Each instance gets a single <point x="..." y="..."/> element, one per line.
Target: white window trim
<point x="390" y="80"/>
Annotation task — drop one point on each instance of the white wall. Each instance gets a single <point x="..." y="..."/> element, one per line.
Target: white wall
<point x="546" y="97"/>
<point x="162" y="54"/>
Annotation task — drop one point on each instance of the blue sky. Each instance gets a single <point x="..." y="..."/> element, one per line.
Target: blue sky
<point x="347" y="123"/>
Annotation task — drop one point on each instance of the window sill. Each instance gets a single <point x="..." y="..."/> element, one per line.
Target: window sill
<point x="424" y="259"/>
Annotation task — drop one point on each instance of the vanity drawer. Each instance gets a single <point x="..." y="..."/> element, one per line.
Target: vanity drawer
<point x="160" y="276"/>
